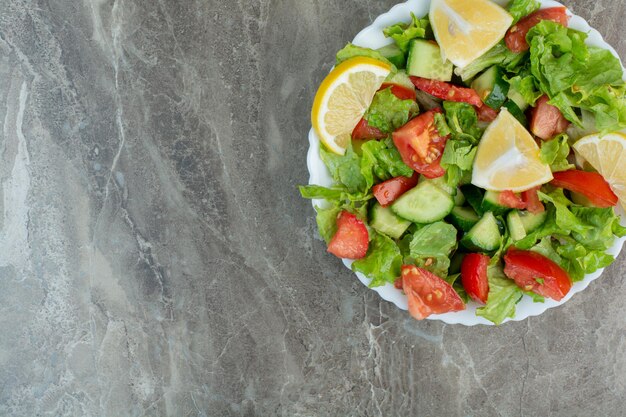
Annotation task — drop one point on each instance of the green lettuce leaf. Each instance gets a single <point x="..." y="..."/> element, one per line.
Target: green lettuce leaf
<point x="555" y="152"/>
<point x="522" y="8"/>
<point x="345" y="169"/>
<point x="326" y="220"/>
<point x="403" y="33"/>
<point x="462" y="120"/>
<point x="524" y="84"/>
<point x="498" y="55"/>
<point x="350" y="51"/>
<point x="387" y="112"/>
<point x="383" y="261"/>
<point x="336" y="194"/>
<point x="504" y="295"/>
<point x="382" y="160"/>
<point x="431" y="247"/>
<point x="599" y="234"/>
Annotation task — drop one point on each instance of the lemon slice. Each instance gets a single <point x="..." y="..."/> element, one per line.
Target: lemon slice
<point x="466" y="29"/>
<point x="607" y="154"/>
<point x="342" y="99"/>
<point x="508" y="158"/>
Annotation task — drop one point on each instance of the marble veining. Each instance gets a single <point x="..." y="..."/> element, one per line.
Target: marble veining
<point x="156" y="259"/>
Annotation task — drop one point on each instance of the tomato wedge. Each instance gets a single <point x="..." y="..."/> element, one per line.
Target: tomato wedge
<point x="486" y="114"/>
<point x="351" y="240"/>
<point x="546" y="120"/>
<point x="447" y="91"/>
<point x="474" y="276"/>
<point x="516" y="36"/>
<point x="421" y="146"/>
<point x="387" y="192"/>
<point x="534" y="272"/>
<point x="590" y="184"/>
<point x="509" y="199"/>
<point x="531" y="199"/>
<point x="400" y="91"/>
<point x="428" y="294"/>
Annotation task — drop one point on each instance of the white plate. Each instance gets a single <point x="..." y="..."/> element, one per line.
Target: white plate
<point x="372" y="37"/>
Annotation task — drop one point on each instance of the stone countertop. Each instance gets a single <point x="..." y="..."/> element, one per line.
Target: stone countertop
<point x="156" y="259"/>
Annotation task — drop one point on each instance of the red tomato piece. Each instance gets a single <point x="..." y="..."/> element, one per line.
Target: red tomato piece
<point x="531" y="199"/>
<point x="590" y="184"/>
<point x="398" y="283"/>
<point x="447" y="91"/>
<point x="400" y="91"/>
<point x="421" y="146"/>
<point x="510" y="199"/>
<point x="351" y="240"/>
<point x="534" y="272"/>
<point x="389" y="191"/>
<point x="486" y="114"/>
<point x="516" y="36"/>
<point x="546" y="120"/>
<point x="474" y="276"/>
<point x="365" y="131"/>
<point x="428" y="294"/>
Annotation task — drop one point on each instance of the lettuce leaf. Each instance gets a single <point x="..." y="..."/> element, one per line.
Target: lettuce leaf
<point x="522" y="8"/>
<point x="350" y="51"/>
<point x="504" y="295"/>
<point x="345" y="169"/>
<point x="387" y="112"/>
<point x="431" y="247"/>
<point x="555" y="152"/>
<point x="326" y="220"/>
<point x="498" y="55"/>
<point x="403" y="33"/>
<point x="381" y="159"/>
<point x="383" y="260"/>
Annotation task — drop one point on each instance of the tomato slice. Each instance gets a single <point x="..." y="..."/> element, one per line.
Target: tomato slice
<point x="351" y="240"/>
<point x="428" y="294"/>
<point x="516" y="36"/>
<point x="546" y="120"/>
<point x="531" y="199"/>
<point x="590" y="184"/>
<point x="447" y="91"/>
<point x="364" y="131"/>
<point x="421" y="146"/>
<point x="400" y="91"/>
<point x="509" y="199"/>
<point x="387" y="192"/>
<point x="486" y="113"/>
<point x="534" y="272"/>
<point x="474" y="276"/>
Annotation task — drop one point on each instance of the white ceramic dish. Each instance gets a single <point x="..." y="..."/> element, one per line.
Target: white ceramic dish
<point x="372" y="37"/>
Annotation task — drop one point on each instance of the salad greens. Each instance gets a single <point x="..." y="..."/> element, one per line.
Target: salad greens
<point x="584" y="83"/>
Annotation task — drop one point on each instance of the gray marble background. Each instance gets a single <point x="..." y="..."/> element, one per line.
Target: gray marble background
<point x="156" y="259"/>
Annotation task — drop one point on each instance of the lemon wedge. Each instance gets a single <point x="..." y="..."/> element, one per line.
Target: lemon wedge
<point x="342" y="99"/>
<point x="508" y="158"/>
<point x="607" y="154"/>
<point x="466" y="29"/>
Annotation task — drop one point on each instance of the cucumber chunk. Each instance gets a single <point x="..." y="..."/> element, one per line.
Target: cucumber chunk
<point x="426" y="203"/>
<point x="516" y="112"/>
<point x="532" y="221"/>
<point x="515" y="226"/>
<point x="425" y="61"/>
<point x="492" y="87"/>
<point x="394" y="55"/>
<point x="383" y="220"/>
<point x="474" y="197"/>
<point x="491" y="203"/>
<point x="464" y="218"/>
<point x="400" y="78"/>
<point x="516" y="97"/>
<point x="459" y="198"/>
<point x="484" y="236"/>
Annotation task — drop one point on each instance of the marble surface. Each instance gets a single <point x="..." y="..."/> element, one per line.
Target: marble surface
<point x="156" y="259"/>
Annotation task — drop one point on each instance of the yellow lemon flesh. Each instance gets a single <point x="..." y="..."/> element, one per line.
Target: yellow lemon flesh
<point x="508" y="158"/>
<point x="607" y="154"/>
<point x="342" y="99"/>
<point x="466" y="29"/>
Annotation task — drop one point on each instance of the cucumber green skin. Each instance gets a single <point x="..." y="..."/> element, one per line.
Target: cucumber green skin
<point x="464" y="218"/>
<point x="424" y="61"/>
<point x="484" y="236"/>
<point x="441" y="183"/>
<point x="490" y="203"/>
<point x="459" y="198"/>
<point x="518" y="99"/>
<point x="515" y="226"/>
<point x="424" y="204"/>
<point x="474" y="197"/>
<point x="516" y="112"/>
<point x="492" y="87"/>
<point x="532" y="221"/>
<point x="455" y="263"/>
<point x="383" y="220"/>
<point x="394" y="55"/>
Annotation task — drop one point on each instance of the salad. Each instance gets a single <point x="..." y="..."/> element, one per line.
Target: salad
<point x="476" y="159"/>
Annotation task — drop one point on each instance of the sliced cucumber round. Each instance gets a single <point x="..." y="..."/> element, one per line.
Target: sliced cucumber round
<point x="484" y="236"/>
<point x="426" y="203"/>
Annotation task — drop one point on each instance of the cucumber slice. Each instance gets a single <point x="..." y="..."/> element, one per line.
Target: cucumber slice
<point x="532" y="221"/>
<point x="474" y="197"/>
<point x="459" y="198"/>
<point x="455" y="263"/>
<point x="518" y="99"/>
<point x="492" y="87"/>
<point x="491" y="203"/>
<point x="400" y="78"/>
<point x="394" y="55"/>
<point x="426" y="203"/>
<point x="464" y="218"/>
<point x="385" y="221"/>
<point x="441" y="183"/>
<point x="514" y="109"/>
<point x="515" y="226"/>
<point x="484" y="236"/>
<point x="580" y="199"/>
<point x="425" y="61"/>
